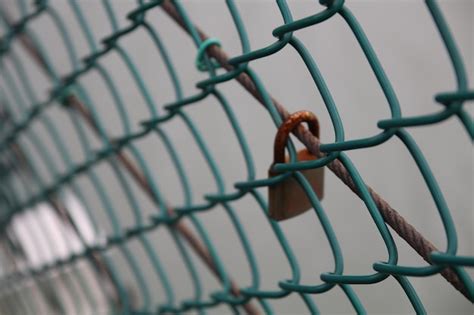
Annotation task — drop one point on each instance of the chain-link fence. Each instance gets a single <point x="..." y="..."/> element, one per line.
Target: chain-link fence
<point x="56" y="251"/>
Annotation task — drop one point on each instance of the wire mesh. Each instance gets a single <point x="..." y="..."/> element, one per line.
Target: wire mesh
<point x="24" y="187"/>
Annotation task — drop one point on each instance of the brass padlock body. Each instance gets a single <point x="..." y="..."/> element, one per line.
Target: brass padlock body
<point x="288" y="198"/>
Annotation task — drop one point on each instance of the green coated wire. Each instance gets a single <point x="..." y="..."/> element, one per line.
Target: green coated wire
<point x="72" y="52"/>
<point x="19" y="101"/>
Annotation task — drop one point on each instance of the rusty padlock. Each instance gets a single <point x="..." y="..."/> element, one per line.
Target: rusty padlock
<point x="287" y="198"/>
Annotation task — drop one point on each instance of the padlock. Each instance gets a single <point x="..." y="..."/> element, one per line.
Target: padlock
<point x="287" y="198"/>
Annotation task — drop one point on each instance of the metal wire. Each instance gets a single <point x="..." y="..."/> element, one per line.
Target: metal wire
<point x="68" y="92"/>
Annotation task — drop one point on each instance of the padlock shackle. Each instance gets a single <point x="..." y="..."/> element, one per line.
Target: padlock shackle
<point x="292" y="122"/>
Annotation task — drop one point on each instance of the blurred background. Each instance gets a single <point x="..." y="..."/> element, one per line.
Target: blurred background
<point x="415" y="60"/>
